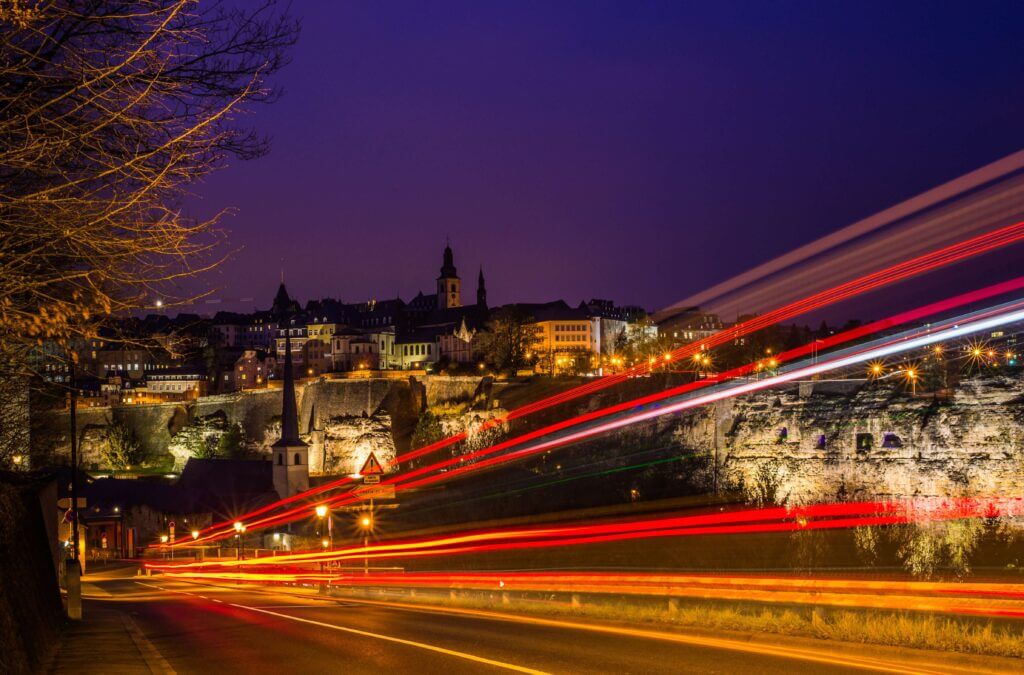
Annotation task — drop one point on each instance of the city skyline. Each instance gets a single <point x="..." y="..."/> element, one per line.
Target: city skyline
<point x="621" y="140"/>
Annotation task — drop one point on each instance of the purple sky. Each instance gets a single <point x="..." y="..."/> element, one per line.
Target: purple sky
<point x="638" y="153"/>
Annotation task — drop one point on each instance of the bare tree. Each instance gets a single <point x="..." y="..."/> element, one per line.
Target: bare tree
<point x="110" y="111"/>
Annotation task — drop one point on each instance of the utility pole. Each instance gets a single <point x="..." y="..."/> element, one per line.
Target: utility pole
<point x="73" y="567"/>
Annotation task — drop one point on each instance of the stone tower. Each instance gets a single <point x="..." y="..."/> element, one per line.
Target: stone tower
<point x="291" y="455"/>
<point x="481" y="290"/>
<point x="449" y="286"/>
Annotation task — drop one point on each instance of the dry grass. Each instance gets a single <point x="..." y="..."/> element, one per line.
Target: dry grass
<point x="899" y="629"/>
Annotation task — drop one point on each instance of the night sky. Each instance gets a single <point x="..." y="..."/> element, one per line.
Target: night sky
<point x="632" y="151"/>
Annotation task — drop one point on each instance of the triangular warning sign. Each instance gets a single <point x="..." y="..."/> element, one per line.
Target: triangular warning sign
<point x="371" y="467"/>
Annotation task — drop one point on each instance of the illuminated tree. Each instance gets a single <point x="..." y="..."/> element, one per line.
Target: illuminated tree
<point x="111" y="110"/>
<point x="508" y="339"/>
<point x="120" y="449"/>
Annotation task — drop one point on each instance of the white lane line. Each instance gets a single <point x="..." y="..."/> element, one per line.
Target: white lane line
<point x="389" y="638"/>
<point x="805" y="654"/>
<point x="321" y="606"/>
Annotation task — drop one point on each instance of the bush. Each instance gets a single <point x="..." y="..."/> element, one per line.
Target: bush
<point x="121" y="449"/>
<point x="232" y="442"/>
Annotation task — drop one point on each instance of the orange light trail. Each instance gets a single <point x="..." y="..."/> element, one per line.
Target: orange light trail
<point x="774" y="519"/>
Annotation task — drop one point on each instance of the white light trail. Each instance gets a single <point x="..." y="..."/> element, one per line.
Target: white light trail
<point x="903" y="345"/>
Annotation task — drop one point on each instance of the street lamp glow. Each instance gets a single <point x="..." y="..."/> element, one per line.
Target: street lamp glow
<point x="163" y="538"/>
<point x="238" y="526"/>
<point x="365" y="521"/>
<point x="321" y="510"/>
<point x="195" y="534"/>
<point x="324" y="543"/>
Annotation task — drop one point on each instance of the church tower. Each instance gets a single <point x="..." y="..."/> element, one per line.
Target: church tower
<point x="449" y="286"/>
<point x="481" y="290"/>
<point x="291" y="455"/>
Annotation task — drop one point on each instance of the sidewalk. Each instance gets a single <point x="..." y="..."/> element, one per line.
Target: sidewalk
<point x="105" y="641"/>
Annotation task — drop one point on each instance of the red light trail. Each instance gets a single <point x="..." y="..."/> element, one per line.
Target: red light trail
<point x="405" y="481"/>
<point x="763" y="520"/>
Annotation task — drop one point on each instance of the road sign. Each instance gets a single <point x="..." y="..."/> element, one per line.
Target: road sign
<point x="372" y="479"/>
<point x="376" y="492"/>
<point x="371" y="467"/>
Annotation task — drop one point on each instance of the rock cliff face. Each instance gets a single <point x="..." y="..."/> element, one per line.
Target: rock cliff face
<point x="344" y="443"/>
<point x="807" y="442"/>
<point x="821" y="440"/>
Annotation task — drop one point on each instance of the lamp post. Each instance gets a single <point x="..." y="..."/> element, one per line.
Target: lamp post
<point x="239" y="529"/>
<point x="321" y="512"/>
<point x="366" y="524"/>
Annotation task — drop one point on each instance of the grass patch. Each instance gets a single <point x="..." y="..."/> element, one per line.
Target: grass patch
<point x="897" y="629"/>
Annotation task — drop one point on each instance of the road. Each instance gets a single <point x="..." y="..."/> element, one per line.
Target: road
<point x="187" y="627"/>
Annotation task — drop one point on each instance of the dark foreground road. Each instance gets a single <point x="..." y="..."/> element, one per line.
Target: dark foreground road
<point x="185" y="628"/>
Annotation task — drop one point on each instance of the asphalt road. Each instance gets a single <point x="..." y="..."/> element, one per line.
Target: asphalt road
<point x="188" y="627"/>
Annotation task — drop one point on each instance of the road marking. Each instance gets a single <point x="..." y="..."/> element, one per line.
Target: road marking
<point x="389" y="638"/>
<point x="864" y="663"/>
<point x="804" y="654"/>
<point x="153" y="658"/>
<point x="320" y="606"/>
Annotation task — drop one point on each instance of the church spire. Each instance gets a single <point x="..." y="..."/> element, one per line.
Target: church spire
<point x="481" y="289"/>
<point x="448" y="265"/>
<point x="449" y="286"/>
<point x="289" y="414"/>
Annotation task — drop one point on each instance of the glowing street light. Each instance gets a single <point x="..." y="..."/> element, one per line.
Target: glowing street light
<point x="239" y="529"/>
<point x="366" y="523"/>
<point x="911" y="375"/>
<point x="163" y="538"/>
<point x="321" y="512"/>
<point x="195" y="534"/>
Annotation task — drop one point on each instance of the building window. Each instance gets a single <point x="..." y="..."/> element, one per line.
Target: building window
<point x="298" y="459"/>
<point x="865" y="442"/>
<point x="280" y="459"/>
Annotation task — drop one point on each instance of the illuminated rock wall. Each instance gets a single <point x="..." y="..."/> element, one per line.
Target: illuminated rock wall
<point x="849" y="440"/>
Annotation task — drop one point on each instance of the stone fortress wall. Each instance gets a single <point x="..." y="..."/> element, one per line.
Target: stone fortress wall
<point x="807" y="442"/>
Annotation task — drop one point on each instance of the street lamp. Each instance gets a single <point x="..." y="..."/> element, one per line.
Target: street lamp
<point x="195" y="534"/>
<point x="912" y="377"/>
<point x="366" y="523"/>
<point x="239" y="529"/>
<point x="321" y="512"/>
